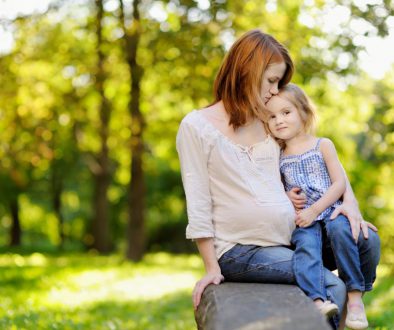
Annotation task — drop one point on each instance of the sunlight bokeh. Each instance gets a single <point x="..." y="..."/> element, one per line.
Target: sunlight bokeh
<point x="333" y="19"/>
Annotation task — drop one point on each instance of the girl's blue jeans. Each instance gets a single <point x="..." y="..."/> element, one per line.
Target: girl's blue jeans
<point x="356" y="262"/>
<point x="251" y="263"/>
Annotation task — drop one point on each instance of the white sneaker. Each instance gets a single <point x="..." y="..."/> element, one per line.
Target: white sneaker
<point x="356" y="320"/>
<point x="328" y="308"/>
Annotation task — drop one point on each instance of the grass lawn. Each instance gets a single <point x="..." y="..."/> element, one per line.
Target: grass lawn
<point x="86" y="291"/>
<point x="83" y="291"/>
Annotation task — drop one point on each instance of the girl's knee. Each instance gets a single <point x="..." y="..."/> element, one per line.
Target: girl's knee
<point x="338" y="227"/>
<point x="372" y="242"/>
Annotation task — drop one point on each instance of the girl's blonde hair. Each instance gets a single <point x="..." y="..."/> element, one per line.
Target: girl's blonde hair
<point x="302" y="102"/>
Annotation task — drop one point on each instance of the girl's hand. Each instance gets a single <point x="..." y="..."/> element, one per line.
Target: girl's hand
<point x="357" y="223"/>
<point x="297" y="197"/>
<point x="305" y="217"/>
<point x="210" y="278"/>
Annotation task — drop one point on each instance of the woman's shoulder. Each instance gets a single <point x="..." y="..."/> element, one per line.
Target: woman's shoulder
<point x="195" y="123"/>
<point x="195" y="118"/>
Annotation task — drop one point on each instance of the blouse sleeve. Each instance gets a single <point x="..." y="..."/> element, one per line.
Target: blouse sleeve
<point x="193" y="156"/>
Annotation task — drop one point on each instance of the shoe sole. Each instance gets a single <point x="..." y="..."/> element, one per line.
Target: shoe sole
<point x="354" y="325"/>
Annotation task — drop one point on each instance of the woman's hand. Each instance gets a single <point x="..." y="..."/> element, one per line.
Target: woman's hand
<point x="357" y="223"/>
<point x="210" y="278"/>
<point x="297" y="197"/>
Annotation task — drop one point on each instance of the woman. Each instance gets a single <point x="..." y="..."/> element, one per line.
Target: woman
<point x="238" y="212"/>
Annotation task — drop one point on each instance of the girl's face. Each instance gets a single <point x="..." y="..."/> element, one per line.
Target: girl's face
<point x="272" y="75"/>
<point x="284" y="120"/>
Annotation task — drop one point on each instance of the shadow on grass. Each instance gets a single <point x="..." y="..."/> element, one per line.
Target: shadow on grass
<point x="171" y="312"/>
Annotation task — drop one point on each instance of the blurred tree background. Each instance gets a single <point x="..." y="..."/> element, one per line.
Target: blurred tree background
<point x="92" y="93"/>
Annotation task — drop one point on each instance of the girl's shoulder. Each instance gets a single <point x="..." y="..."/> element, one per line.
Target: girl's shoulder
<point x="327" y="149"/>
<point x="324" y="143"/>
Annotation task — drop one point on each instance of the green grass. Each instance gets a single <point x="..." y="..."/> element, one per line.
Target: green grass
<point x="380" y="301"/>
<point x="83" y="291"/>
<point x="86" y="291"/>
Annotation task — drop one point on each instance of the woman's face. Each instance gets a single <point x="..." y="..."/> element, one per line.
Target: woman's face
<point x="272" y="75"/>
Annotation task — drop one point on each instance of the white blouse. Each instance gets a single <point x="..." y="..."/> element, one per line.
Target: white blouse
<point x="233" y="193"/>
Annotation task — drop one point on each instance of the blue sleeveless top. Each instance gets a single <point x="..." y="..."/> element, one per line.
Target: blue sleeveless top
<point x="308" y="171"/>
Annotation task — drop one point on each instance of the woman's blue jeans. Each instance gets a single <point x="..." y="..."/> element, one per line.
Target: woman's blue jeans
<point x="251" y="263"/>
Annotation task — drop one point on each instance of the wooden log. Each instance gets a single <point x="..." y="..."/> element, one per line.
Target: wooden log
<point x="256" y="306"/>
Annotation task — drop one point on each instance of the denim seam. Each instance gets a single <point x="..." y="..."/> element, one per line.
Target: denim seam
<point x="255" y="267"/>
<point x="230" y="258"/>
<point x="321" y="268"/>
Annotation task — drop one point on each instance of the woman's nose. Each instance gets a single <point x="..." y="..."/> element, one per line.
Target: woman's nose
<point x="274" y="90"/>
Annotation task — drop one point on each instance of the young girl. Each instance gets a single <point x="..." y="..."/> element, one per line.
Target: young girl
<point x="312" y="164"/>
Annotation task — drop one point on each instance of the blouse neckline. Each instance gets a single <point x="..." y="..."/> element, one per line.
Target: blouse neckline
<point x="225" y="137"/>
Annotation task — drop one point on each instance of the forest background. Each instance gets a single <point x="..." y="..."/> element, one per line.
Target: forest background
<point x="92" y="93"/>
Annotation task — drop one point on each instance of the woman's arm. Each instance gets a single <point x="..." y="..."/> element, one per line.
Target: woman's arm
<point x="213" y="273"/>
<point x="193" y="156"/>
<point x="333" y="193"/>
<point x="297" y="197"/>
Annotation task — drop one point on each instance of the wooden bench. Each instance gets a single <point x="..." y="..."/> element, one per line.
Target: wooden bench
<point x="255" y="306"/>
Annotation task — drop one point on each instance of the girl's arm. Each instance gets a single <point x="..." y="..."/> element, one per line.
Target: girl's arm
<point x="213" y="273"/>
<point x="333" y="193"/>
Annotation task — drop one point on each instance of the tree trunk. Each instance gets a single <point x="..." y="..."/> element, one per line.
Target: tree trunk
<point x="16" y="231"/>
<point x="136" y="191"/>
<point x="57" y="189"/>
<point x="100" y="224"/>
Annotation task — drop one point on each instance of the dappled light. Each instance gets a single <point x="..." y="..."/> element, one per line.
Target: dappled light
<point x="81" y="290"/>
<point x="92" y="207"/>
<point x="96" y="291"/>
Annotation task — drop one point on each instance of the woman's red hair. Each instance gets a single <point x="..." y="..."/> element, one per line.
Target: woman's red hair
<point x="239" y="80"/>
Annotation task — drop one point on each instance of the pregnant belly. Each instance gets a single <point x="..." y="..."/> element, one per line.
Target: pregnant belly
<point x="238" y="223"/>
